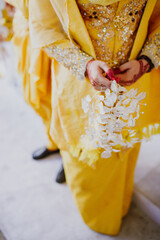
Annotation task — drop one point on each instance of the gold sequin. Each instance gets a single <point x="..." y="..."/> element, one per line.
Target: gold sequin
<point x="152" y="49"/>
<point x="72" y="58"/>
<point x="107" y="24"/>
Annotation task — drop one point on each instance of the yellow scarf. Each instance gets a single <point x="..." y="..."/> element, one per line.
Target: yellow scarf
<point x="103" y="2"/>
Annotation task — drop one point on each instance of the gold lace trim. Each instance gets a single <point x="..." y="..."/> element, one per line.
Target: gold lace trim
<point x="72" y="58"/>
<point x="152" y="49"/>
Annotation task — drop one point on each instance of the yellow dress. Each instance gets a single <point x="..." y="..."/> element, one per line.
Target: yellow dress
<point x="34" y="67"/>
<point x="103" y="193"/>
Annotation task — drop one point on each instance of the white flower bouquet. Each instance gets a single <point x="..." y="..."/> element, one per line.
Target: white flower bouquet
<point x="111" y="118"/>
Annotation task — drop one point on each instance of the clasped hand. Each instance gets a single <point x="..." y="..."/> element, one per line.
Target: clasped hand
<point x="101" y="75"/>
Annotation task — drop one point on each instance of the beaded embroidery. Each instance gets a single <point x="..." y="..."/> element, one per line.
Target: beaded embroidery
<point x="126" y="23"/>
<point x="152" y="49"/>
<point x="106" y="23"/>
<point x="72" y="58"/>
<point x="98" y="22"/>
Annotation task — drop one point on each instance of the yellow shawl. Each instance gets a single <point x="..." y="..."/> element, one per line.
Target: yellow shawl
<point x="103" y="2"/>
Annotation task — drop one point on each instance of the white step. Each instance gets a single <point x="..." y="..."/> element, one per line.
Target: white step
<point x="147" y="182"/>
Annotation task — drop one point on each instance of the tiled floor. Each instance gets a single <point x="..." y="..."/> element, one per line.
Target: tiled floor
<point x="32" y="205"/>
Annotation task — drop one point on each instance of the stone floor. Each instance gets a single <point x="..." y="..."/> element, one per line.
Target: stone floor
<point x="2" y="236"/>
<point x="32" y="205"/>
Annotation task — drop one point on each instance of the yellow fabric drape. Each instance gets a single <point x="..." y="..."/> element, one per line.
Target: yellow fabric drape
<point x="34" y="67"/>
<point x="103" y="194"/>
<point x="103" y="2"/>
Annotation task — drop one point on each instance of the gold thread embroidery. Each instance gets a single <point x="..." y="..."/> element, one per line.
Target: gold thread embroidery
<point x="105" y="22"/>
<point x="72" y="58"/>
<point x="152" y="49"/>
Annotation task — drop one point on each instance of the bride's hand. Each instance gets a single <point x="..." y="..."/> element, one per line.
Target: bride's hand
<point x="131" y="71"/>
<point x="95" y="71"/>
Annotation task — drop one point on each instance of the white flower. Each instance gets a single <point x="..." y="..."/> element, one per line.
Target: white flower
<point x="121" y="97"/>
<point x="141" y="96"/>
<point x="101" y="97"/>
<point x="88" y="98"/>
<point x="131" y="122"/>
<point x="132" y="93"/>
<point x="110" y="115"/>
<point x="86" y="103"/>
<point x="122" y="89"/>
<point x="110" y="100"/>
<point x="101" y="108"/>
<point x="115" y="150"/>
<point x="156" y="126"/>
<point x="126" y="101"/>
<point x="106" y="154"/>
<point x="114" y="87"/>
<point x="107" y="92"/>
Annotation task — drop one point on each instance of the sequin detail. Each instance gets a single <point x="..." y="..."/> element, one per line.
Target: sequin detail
<point x="72" y="58"/>
<point x="126" y="23"/>
<point x="112" y="28"/>
<point x="152" y="49"/>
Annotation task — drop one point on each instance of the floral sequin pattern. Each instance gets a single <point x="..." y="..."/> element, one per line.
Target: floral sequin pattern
<point x="72" y="58"/>
<point x="126" y="23"/>
<point x="108" y="23"/>
<point x="152" y="49"/>
<point x="98" y="21"/>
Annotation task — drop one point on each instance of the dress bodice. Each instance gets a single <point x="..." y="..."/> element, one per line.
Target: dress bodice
<point x="112" y="28"/>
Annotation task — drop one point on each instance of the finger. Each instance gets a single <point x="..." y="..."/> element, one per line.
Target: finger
<point x="100" y="82"/>
<point x="104" y="66"/>
<point x="126" y="83"/>
<point x="125" y="66"/>
<point x="103" y="81"/>
<point x="108" y="71"/>
<point x="123" y="76"/>
<point x="98" y="88"/>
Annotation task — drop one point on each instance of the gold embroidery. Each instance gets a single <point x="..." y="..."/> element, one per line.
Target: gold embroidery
<point x="152" y="49"/>
<point x="72" y="58"/>
<point x="126" y="23"/>
<point x="98" y="21"/>
<point x="107" y="24"/>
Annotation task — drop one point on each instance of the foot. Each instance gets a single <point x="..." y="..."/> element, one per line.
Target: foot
<point x="42" y="153"/>
<point x="61" y="175"/>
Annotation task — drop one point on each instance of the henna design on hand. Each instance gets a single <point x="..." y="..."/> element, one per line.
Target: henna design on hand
<point x="143" y="68"/>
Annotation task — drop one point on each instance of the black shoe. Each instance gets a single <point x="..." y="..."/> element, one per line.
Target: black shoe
<point x="42" y="153"/>
<point x="61" y="178"/>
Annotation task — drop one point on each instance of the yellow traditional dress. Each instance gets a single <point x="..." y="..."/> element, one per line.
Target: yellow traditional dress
<point x="73" y="32"/>
<point x="34" y="66"/>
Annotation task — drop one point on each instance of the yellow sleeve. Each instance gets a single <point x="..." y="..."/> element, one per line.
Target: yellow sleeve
<point x="70" y="56"/>
<point x="46" y="32"/>
<point x="151" y="47"/>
